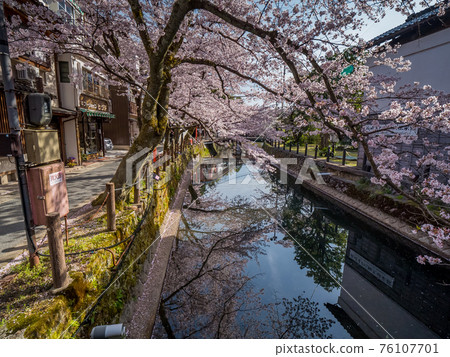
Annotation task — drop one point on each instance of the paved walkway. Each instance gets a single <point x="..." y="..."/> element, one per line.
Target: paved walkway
<point x="83" y="184"/>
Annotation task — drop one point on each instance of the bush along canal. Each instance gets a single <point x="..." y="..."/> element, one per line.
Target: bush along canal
<point x="258" y="259"/>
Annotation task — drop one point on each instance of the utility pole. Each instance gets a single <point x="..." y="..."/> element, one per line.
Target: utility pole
<point x="16" y="137"/>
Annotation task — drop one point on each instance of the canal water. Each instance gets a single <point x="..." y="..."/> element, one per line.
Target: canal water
<point x="255" y="258"/>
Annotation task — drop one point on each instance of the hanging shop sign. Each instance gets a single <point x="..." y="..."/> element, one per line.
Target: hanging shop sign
<point x="91" y="103"/>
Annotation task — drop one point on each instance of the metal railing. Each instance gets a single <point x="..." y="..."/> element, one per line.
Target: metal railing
<point x="343" y="157"/>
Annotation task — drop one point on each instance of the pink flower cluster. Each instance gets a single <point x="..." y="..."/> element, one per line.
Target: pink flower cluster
<point x="423" y="259"/>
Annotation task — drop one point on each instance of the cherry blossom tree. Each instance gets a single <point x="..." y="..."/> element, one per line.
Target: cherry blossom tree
<point x="216" y="63"/>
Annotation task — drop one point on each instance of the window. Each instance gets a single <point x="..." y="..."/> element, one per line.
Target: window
<point x="43" y="75"/>
<point x="96" y="85"/>
<point x="88" y="83"/>
<point x="64" y="72"/>
<point x="62" y="5"/>
<point x="67" y="9"/>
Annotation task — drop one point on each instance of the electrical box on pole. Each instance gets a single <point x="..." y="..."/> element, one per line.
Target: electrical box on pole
<point x="48" y="192"/>
<point x="42" y="146"/>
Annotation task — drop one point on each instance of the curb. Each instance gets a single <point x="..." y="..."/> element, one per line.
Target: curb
<point x="142" y="313"/>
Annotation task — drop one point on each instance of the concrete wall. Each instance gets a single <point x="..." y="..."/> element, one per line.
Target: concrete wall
<point x="419" y="304"/>
<point x="50" y="83"/>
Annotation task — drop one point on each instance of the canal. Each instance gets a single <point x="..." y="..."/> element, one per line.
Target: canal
<point x="255" y="258"/>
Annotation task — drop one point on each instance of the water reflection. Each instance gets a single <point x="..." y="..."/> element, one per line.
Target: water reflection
<point x="319" y="242"/>
<point x="405" y="299"/>
<point x="237" y="273"/>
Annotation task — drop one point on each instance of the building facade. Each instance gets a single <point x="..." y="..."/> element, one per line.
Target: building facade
<point x="425" y="41"/>
<point x="80" y="108"/>
<point x="124" y="128"/>
<point x="89" y="98"/>
<point x="33" y="72"/>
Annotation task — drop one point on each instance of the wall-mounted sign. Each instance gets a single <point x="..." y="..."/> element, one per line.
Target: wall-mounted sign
<point x="390" y="130"/>
<point x="371" y="268"/>
<point x="91" y="103"/>
<point x="55" y="178"/>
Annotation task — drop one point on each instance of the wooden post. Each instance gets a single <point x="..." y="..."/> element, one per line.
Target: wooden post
<point x="344" y="153"/>
<point x="315" y="153"/>
<point x="328" y="154"/>
<point x="297" y="147"/>
<point x="290" y="147"/>
<point x="111" y="206"/>
<point x="137" y="191"/>
<point x="146" y="180"/>
<point x="67" y="230"/>
<point x="57" y="256"/>
<point x="284" y="145"/>
<point x="306" y="149"/>
<point x="173" y="149"/>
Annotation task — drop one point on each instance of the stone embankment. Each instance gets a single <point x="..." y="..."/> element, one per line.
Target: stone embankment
<point x="388" y="224"/>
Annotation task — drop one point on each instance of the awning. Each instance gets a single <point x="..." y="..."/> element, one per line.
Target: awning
<point x="62" y="112"/>
<point x="96" y="113"/>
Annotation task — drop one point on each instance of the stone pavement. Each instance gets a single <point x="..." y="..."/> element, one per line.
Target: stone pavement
<point x="83" y="184"/>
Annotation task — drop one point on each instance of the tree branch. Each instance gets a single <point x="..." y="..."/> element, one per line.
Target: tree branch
<point x="138" y="16"/>
<point x="205" y="62"/>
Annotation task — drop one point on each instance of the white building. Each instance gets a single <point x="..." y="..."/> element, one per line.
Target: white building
<point x="83" y="134"/>
<point x="425" y="41"/>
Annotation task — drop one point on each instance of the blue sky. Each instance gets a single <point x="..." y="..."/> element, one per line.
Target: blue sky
<point x="391" y="20"/>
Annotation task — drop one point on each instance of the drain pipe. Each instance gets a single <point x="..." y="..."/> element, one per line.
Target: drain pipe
<point x="108" y="331"/>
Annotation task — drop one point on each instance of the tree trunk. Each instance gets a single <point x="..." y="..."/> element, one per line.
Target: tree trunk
<point x="138" y="101"/>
